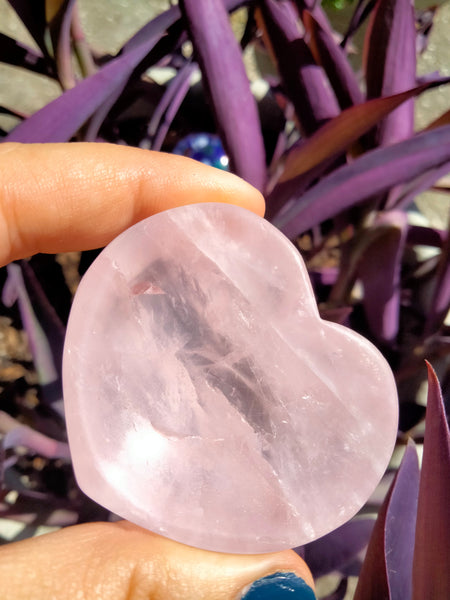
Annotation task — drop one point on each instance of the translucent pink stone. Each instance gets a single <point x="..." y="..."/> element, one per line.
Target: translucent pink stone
<point x="207" y="401"/>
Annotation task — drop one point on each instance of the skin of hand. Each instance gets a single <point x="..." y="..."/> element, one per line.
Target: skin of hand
<point x="62" y="197"/>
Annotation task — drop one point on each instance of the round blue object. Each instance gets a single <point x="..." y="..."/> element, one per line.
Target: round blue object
<point x="204" y="147"/>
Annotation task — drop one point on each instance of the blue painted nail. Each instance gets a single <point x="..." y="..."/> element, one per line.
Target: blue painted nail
<point x="279" y="586"/>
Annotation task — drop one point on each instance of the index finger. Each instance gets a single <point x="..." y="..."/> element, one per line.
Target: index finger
<point x="63" y="197"/>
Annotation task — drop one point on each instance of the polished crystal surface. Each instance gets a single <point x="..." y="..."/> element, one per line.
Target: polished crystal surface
<point x="205" y="398"/>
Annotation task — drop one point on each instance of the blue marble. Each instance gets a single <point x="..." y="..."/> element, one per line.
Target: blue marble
<point x="204" y="147"/>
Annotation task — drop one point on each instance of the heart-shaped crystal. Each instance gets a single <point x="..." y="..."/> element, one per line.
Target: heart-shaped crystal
<point x="207" y="401"/>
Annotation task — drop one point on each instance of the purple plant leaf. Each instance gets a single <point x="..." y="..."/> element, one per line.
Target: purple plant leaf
<point x="391" y="64"/>
<point x="440" y="303"/>
<point x="337" y="135"/>
<point x="15" y="290"/>
<point x="329" y="55"/>
<point x="402" y="196"/>
<point x="373" y="173"/>
<point x="61" y="119"/>
<point x="431" y="575"/>
<point x="93" y="125"/>
<point x="379" y="270"/>
<point x="220" y="59"/>
<point x="16" y="434"/>
<point x="15" y="53"/>
<point x="400" y="526"/>
<point x="387" y="568"/>
<point x="339" y="548"/>
<point x="304" y="81"/>
<point x="32" y="15"/>
<point x="169" y="104"/>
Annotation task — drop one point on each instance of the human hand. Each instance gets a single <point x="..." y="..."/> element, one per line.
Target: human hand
<point x="61" y="197"/>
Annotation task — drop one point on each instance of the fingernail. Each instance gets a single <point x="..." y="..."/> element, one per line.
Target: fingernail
<point x="278" y="586"/>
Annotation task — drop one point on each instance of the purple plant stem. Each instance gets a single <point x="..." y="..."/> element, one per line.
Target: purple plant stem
<point x="169" y="104"/>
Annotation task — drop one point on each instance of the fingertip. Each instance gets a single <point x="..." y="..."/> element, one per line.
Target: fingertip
<point x="80" y="196"/>
<point x="193" y="182"/>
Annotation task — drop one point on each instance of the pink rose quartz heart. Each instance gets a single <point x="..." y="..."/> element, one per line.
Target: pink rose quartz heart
<point x="207" y="401"/>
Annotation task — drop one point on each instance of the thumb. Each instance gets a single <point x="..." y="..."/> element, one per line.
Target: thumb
<point x="120" y="561"/>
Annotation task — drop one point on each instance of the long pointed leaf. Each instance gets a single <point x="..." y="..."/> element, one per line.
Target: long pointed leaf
<point x="333" y="59"/>
<point x="374" y="172"/>
<point x="431" y="574"/>
<point x="224" y="74"/>
<point x="401" y="526"/>
<point x="387" y="568"/>
<point x="169" y="104"/>
<point x="304" y="81"/>
<point x="391" y="63"/>
<point x="342" y="131"/>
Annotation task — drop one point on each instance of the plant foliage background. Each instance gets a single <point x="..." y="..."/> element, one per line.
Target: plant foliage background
<point x="330" y="140"/>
